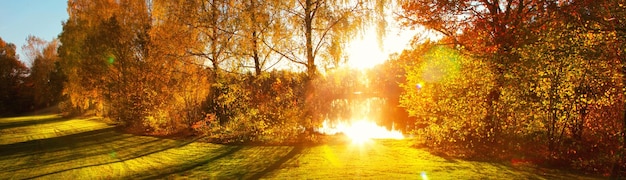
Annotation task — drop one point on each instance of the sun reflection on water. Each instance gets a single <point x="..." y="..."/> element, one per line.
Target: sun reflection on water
<point x="359" y="131"/>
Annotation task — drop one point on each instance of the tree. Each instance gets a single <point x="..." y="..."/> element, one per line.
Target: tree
<point x="569" y="76"/>
<point x="316" y="32"/>
<point x="489" y="29"/>
<point x="12" y="77"/>
<point x="180" y="79"/>
<point x="321" y="28"/>
<point x="130" y="61"/>
<point x="104" y="47"/>
<point x="85" y="75"/>
<point x="446" y="91"/>
<point x="608" y="18"/>
<point x="259" y="29"/>
<point x="33" y="48"/>
<point x="556" y="75"/>
<point x="213" y="21"/>
<point x="45" y="75"/>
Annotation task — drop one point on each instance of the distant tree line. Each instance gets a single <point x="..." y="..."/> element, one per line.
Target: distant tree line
<point x="25" y="88"/>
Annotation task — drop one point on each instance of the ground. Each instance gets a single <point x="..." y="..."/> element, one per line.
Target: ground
<point x="52" y="147"/>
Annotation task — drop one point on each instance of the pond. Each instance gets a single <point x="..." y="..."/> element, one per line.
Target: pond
<point x="361" y="119"/>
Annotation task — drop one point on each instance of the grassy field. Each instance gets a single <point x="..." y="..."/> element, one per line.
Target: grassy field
<point x="52" y="147"/>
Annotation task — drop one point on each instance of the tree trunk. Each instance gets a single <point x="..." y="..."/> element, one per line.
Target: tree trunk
<point x="311" y="69"/>
<point x="214" y="41"/>
<point x="492" y="100"/>
<point x="308" y="28"/>
<point x="255" y="41"/>
<point x="255" y="54"/>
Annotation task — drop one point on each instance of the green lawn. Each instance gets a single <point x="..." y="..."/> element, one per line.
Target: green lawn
<point x="51" y="147"/>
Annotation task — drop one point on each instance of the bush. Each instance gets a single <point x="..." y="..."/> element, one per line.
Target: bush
<point x="446" y="91"/>
<point x="245" y="108"/>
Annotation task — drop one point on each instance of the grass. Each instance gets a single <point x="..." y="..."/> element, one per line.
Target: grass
<point x="52" y="147"/>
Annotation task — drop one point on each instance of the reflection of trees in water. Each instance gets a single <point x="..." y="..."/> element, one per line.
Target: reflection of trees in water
<point x="350" y="94"/>
<point x="351" y="109"/>
<point x="380" y="110"/>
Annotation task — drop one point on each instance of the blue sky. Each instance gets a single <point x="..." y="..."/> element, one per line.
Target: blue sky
<point x="41" y="18"/>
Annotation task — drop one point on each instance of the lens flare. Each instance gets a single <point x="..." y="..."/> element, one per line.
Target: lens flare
<point x="441" y="64"/>
<point x="424" y="176"/>
<point x="110" y="59"/>
<point x="359" y="131"/>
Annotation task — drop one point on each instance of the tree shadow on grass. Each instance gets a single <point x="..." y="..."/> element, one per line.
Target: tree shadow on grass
<point x="225" y="162"/>
<point x="276" y="165"/>
<point x="499" y="168"/>
<point x="77" y="153"/>
<point x="97" y="150"/>
<point x="167" y="171"/>
<point x="135" y="151"/>
<point x="32" y="147"/>
<point x="48" y="151"/>
<point x="48" y="156"/>
<point x="31" y="122"/>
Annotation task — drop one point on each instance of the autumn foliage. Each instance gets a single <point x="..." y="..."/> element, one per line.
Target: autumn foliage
<point x="516" y="78"/>
<point x="526" y="81"/>
<point x="166" y="67"/>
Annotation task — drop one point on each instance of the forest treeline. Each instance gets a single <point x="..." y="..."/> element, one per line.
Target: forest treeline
<point x="23" y="87"/>
<point x="524" y="79"/>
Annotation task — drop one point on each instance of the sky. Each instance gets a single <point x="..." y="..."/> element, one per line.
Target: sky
<point x="41" y="18"/>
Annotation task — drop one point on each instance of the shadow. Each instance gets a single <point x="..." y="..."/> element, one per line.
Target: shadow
<point x="31" y="122"/>
<point x="486" y="163"/>
<point x="48" y="156"/>
<point x="155" y="146"/>
<point x="83" y="153"/>
<point x="276" y="165"/>
<point x="228" y="150"/>
<point x="43" y="152"/>
<point x="445" y="156"/>
<point x="28" y="148"/>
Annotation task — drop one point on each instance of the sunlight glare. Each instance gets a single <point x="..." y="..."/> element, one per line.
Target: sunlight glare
<point x="419" y="85"/>
<point x="360" y="131"/>
<point x="364" y="52"/>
